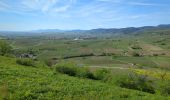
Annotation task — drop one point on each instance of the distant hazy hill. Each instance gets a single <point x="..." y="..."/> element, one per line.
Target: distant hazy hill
<point x="108" y="31"/>
<point x="128" y="30"/>
<point x="93" y="32"/>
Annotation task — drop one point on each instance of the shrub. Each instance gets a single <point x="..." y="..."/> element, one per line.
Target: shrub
<point x="85" y="73"/>
<point x="67" y="68"/>
<point x="81" y="55"/>
<point x="32" y="51"/>
<point x="102" y="74"/>
<point x="155" y="54"/>
<point x="5" y="48"/>
<point x="136" y="54"/>
<point x="163" y="44"/>
<point x="74" y="70"/>
<point x="25" y="62"/>
<point x="137" y="82"/>
<point x="136" y="47"/>
<point x="10" y="55"/>
<point x="165" y="89"/>
<point x="49" y="62"/>
<point x="163" y="53"/>
<point x="107" y="54"/>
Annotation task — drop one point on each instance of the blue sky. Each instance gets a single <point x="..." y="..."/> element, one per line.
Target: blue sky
<point x="22" y="15"/>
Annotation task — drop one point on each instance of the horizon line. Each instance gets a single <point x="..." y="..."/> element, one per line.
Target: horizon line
<point x="79" y="29"/>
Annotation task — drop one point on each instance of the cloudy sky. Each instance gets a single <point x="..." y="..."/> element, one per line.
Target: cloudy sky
<point x="21" y="15"/>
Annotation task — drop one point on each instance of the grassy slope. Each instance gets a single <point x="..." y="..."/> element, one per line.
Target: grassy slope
<point x="40" y="83"/>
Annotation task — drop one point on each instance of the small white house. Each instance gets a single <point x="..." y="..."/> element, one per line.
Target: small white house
<point x="76" y="39"/>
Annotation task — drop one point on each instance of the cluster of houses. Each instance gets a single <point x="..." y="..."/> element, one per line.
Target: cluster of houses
<point x="27" y="55"/>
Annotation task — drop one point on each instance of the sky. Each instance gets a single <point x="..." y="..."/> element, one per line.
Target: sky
<point x="25" y="15"/>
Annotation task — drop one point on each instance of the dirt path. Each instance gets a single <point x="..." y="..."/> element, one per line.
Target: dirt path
<point x="107" y="67"/>
<point x="40" y="43"/>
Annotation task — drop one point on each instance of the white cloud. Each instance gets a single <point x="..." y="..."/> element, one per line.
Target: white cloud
<point x="115" y="1"/>
<point x="3" y="6"/>
<point x="130" y="2"/>
<point x="62" y="9"/>
<point x="141" y="4"/>
<point x="44" y="6"/>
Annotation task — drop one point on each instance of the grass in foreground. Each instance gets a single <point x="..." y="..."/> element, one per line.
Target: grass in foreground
<point x="19" y="82"/>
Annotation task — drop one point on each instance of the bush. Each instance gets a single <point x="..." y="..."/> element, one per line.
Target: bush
<point x="49" y="62"/>
<point x="25" y="62"/>
<point x="163" y="53"/>
<point x="85" y="73"/>
<point x="67" y="68"/>
<point x="74" y="70"/>
<point x="107" y="54"/>
<point x="5" y="48"/>
<point x="165" y="89"/>
<point x="163" y="44"/>
<point x="137" y="82"/>
<point x="136" y="47"/>
<point x="10" y="55"/>
<point x="32" y="51"/>
<point x="155" y="54"/>
<point x="102" y="74"/>
<point x="136" y="54"/>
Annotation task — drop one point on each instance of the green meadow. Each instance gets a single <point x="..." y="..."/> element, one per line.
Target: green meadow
<point x="115" y="68"/>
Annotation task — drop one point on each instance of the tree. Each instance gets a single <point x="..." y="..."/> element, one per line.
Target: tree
<point x="5" y="48"/>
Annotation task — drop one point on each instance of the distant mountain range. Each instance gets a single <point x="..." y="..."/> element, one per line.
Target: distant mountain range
<point x="92" y="32"/>
<point x="127" y="30"/>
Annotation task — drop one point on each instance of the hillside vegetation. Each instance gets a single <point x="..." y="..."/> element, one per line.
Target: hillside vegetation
<point x="132" y="66"/>
<point x="26" y="82"/>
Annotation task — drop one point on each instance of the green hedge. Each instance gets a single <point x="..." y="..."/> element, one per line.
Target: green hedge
<point x="25" y="62"/>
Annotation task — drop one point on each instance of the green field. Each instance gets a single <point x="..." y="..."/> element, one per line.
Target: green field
<point x="146" y="56"/>
<point x="121" y="50"/>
